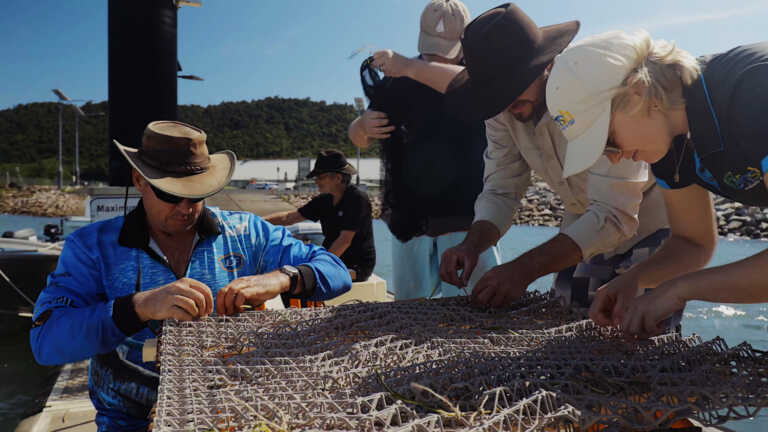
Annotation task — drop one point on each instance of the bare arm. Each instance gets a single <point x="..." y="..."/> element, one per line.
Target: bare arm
<point x="436" y="75"/>
<point x="508" y="282"/>
<point x="693" y="240"/>
<point x="341" y="243"/>
<point x="694" y="236"/>
<point x="284" y="218"/>
<point x="482" y="235"/>
<point x="557" y="253"/>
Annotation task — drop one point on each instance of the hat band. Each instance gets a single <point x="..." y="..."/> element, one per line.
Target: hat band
<point x="160" y="160"/>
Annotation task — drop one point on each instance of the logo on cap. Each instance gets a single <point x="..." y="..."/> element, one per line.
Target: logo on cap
<point x="564" y="120"/>
<point x="440" y="28"/>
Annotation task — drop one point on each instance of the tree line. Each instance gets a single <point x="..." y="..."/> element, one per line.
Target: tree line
<point x="269" y="128"/>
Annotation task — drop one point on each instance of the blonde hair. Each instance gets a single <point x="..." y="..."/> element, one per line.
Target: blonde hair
<point x="661" y="71"/>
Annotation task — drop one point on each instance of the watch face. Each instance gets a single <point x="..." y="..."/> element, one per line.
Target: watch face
<point x="290" y="270"/>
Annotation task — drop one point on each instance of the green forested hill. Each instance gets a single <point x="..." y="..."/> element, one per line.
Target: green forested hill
<point x="270" y="128"/>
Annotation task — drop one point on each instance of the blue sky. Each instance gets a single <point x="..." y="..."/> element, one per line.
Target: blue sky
<point x="251" y="49"/>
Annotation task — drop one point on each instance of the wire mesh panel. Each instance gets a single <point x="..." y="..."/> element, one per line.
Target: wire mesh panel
<point x="441" y="365"/>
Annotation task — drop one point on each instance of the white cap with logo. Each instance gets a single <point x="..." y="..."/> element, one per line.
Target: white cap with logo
<point x="442" y="24"/>
<point x="581" y="85"/>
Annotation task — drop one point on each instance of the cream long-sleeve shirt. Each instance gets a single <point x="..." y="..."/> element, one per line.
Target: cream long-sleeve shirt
<point x="608" y="208"/>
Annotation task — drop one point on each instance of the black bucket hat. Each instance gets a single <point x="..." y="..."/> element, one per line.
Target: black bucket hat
<point x="504" y="52"/>
<point x="331" y="161"/>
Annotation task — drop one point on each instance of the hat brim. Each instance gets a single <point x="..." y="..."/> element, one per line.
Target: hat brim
<point x="347" y="169"/>
<point x="482" y="99"/>
<point x="429" y="44"/>
<point x="218" y="175"/>
<point x="583" y="151"/>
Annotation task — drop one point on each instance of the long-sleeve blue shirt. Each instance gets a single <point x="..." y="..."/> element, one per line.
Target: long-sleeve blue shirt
<point x="81" y="312"/>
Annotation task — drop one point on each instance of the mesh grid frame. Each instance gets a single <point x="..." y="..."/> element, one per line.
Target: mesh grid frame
<point x="441" y="365"/>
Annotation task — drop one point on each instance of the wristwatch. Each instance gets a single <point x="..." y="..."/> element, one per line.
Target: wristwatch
<point x="292" y="273"/>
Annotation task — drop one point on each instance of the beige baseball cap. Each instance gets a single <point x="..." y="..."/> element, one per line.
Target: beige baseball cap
<point x="581" y="85"/>
<point x="442" y="23"/>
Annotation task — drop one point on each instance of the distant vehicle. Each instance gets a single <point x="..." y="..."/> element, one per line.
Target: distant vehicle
<point x="308" y="232"/>
<point x="262" y="186"/>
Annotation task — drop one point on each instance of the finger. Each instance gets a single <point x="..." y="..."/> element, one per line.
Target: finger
<point x="483" y="292"/>
<point x="376" y="114"/>
<point x="378" y="55"/>
<point x="600" y="311"/>
<point x="634" y="326"/>
<point x="220" y="300"/>
<point x="229" y="300"/>
<point x="500" y="298"/>
<point x="470" y="261"/>
<point x="379" y="122"/>
<point x="449" y="267"/>
<point x="205" y="292"/>
<point x="239" y="301"/>
<point x="379" y="136"/>
<point x="196" y="296"/>
<point x="187" y="304"/>
<point x="180" y="314"/>
<point x="619" y="310"/>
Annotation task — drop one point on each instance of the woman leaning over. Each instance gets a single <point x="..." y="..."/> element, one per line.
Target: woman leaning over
<point x="703" y="125"/>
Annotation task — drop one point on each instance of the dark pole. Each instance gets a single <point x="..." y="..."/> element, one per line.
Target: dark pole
<point x="142" y="74"/>
<point x="61" y="169"/>
<point x="77" y="149"/>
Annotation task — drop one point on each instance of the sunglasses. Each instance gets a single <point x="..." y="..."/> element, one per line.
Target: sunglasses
<point x="608" y="151"/>
<point x="170" y="198"/>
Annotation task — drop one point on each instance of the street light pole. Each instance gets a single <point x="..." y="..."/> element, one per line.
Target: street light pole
<point x="77" y="149"/>
<point x="61" y="170"/>
<point x="360" y="105"/>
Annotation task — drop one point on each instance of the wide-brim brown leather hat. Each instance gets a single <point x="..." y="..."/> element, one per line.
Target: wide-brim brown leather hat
<point x="504" y="53"/>
<point x="174" y="158"/>
<point x="331" y="161"/>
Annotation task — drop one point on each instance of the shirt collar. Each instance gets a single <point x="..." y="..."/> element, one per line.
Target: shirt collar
<point x="704" y="134"/>
<point x="135" y="231"/>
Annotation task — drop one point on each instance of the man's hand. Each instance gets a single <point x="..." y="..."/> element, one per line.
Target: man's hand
<point x="501" y="286"/>
<point x="250" y="290"/>
<point x="613" y="299"/>
<point x="646" y="312"/>
<point x="460" y="257"/>
<point x="375" y="124"/>
<point x="185" y="300"/>
<point x="391" y="63"/>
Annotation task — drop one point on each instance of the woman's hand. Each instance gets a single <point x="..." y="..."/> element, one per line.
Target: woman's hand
<point x="612" y="300"/>
<point x="647" y="311"/>
<point x="375" y="124"/>
<point x="391" y="63"/>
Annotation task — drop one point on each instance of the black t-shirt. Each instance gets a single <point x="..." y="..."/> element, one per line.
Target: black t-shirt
<point x="352" y="213"/>
<point x="433" y="165"/>
<point x="729" y="151"/>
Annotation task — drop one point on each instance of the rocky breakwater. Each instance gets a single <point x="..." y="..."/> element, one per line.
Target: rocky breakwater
<point x="542" y="207"/>
<point x="737" y="220"/>
<point x="42" y="201"/>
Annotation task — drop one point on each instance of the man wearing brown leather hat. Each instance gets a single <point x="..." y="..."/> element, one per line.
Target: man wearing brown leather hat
<point x="171" y="257"/>
<point x="614" y="214"/>
<point x="344" y="213"/>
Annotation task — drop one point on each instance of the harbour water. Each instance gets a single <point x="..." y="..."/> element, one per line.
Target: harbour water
<point x="25" y="384"/>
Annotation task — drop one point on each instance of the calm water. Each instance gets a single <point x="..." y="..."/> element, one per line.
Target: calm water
<point x="25" y="384"/>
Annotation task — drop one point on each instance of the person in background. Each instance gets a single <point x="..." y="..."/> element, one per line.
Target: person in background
<point x="171" y="257"/>
<point x="344" y="212"/>
<point x="701" y="124"/>
<point x="433" y="164"/>
<point x="614" y="214"/>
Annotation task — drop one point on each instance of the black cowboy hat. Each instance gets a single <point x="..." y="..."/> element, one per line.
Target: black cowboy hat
<point x="504" y="52"/>
<point x="331" y="161"/>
